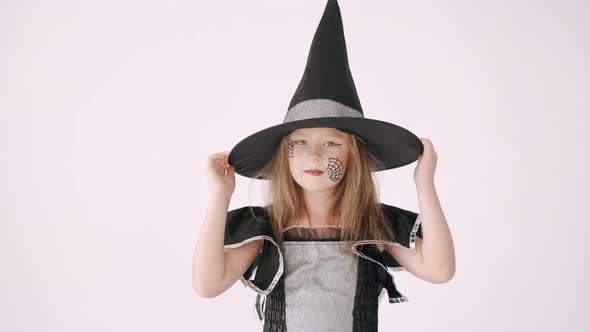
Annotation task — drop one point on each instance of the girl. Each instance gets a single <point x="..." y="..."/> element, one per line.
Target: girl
<point x="319" y="252"/>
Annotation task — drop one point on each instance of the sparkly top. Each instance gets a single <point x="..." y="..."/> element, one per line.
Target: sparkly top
<point x="312" y="282"/>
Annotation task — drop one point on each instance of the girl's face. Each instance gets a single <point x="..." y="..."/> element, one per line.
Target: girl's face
<point x="317" y="157"/>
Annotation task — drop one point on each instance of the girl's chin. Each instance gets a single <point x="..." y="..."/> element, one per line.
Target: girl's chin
<point x="316" y="187"/>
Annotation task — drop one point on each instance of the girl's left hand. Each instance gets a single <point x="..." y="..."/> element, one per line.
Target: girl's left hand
<point x="424" y="172"/>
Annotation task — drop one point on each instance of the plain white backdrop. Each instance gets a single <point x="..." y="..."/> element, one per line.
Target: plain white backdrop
<point x="109" y="109"/>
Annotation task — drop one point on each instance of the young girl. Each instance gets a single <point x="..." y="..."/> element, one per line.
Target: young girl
<point x="319" y="253"/>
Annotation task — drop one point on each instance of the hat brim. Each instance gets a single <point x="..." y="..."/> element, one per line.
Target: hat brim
<point x="393" y="145"/>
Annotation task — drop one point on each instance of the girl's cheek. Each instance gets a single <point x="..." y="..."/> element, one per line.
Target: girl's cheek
<point x="335" y="169"/>
<point x="291" y="149"/>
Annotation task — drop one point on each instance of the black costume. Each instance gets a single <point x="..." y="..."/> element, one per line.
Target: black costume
<point x="310" y="284"/>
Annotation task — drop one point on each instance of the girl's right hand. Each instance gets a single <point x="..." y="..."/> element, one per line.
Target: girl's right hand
<point x="220" y="175"/>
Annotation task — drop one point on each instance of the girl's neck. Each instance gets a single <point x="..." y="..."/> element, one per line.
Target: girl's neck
<point x="318" y="208"/>
<point x="306" y="222"/>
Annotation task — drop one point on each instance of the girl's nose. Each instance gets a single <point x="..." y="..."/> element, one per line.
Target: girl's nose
<point x="315" y="157"/>
<point x="314" y="153"/>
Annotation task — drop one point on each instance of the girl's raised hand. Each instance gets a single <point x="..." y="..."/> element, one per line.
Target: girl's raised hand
<point x="424" y="172"/>
<point x="220" y="175"/>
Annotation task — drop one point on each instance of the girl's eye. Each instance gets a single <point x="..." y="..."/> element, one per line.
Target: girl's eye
<point x="304" y="142"/>
<point x="295" y="141"/>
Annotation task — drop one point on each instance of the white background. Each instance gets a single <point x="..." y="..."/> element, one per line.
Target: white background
<point x="109" y="109"/>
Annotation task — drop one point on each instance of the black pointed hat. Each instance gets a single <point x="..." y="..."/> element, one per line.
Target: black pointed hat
<point x="327" y="97"/>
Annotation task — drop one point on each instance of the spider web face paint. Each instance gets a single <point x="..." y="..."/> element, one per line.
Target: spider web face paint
<point x="291" y="144"/>
<point x="335" y="169"/>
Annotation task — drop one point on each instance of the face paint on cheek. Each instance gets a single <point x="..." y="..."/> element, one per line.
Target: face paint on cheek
<point x="291" y="145"/>
<point x="335" y="169"/>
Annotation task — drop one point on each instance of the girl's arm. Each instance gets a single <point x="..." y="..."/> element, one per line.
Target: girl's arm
<point x="434" y="258"/>
<point x="208" y="258"/>
<point x="437" y="248"/>
<point x="437" y="251"/>
<point x="214" y="271"/>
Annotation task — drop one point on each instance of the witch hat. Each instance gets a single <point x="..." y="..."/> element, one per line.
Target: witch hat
<point x="327" y="97"/>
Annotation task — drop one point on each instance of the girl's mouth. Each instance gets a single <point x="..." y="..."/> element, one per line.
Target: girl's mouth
<point x="314" y="172"/>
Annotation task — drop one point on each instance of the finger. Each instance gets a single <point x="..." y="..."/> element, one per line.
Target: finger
<point x="219" y="155"/>
<point x="214" y="156"/>
<point x="222" y="155"/>
<point x="220" y="159"/>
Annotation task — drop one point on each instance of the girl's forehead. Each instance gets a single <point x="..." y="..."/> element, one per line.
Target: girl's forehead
<point x="318" y="132"/>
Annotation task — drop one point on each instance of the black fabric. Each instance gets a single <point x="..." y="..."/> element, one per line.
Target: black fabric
<point x="366" y="301"/>
<point x="327" y="73"/>
<point x="393" y="145"/>
<point x="246" y="223"/>
<point x="383" y="276"/>
<point x="274" y="312"/>
<point x="402" y="223"/>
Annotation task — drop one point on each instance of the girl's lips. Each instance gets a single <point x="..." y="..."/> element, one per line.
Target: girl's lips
<point x="315" y="173"/>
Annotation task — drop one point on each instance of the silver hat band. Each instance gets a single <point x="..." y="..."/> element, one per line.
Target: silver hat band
<point x="320" y="108"/>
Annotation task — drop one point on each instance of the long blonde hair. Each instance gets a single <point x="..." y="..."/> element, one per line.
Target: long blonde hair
<point x="359" y="210"/>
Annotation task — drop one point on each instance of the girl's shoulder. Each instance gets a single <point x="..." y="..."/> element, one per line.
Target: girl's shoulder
<point x="398" y="214"/>
<point x="247" y="222"/>
<point x="405" y="225"/>
<point x="253" y="221"/>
